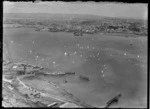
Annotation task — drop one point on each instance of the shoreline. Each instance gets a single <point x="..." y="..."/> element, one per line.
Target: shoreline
<point x="127" y="35"/>
<point x="75" y="103"/>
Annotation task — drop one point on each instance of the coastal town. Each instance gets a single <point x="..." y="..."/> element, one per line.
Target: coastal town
<point x="81" y="27"/>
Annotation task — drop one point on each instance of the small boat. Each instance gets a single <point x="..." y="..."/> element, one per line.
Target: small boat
<point x="36" y="67"/>
<point x="84" y="78"/>
<point x="38" y="29"/>
<point x="55" y="73"/>
<point x="70" y="73"/>
<point x="78" y="33"/>
<point x="52" y="104"/>
<point x="113" y="100"/>
<point x="15" y="67"/>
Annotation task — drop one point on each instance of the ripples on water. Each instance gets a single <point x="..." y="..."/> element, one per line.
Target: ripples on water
<point x="110" y="63"/>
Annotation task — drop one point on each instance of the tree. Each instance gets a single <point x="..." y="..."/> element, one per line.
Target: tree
<point x="135" y="26"/>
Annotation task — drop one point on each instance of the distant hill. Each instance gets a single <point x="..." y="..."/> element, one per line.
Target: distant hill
<point x="50" y="16"/>
<point x="59" y="17"/>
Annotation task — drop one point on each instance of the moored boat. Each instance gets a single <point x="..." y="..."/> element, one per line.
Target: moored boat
<point x="84" y="78"/>
<point x="70" y="73"/>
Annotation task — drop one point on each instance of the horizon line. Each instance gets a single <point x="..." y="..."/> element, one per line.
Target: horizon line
<point x="121" y="17"/>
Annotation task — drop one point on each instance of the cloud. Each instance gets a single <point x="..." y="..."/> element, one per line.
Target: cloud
<point x="102" y="8"/>
<point x="8" y="6"/>
<point x="145" y="16"/>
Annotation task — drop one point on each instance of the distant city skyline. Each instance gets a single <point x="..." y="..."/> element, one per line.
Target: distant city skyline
<point x="139" y="11"/>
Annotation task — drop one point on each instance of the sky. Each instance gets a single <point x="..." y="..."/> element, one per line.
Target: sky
<point x="93" y="8"/>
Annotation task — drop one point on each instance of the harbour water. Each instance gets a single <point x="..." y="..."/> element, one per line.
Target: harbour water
<point x="111" y="63"/>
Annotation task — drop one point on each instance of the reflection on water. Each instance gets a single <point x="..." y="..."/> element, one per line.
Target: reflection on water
<point x="112" y="65"/>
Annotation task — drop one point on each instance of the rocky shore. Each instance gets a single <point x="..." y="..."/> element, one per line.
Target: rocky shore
<point x="17" y="92"/>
